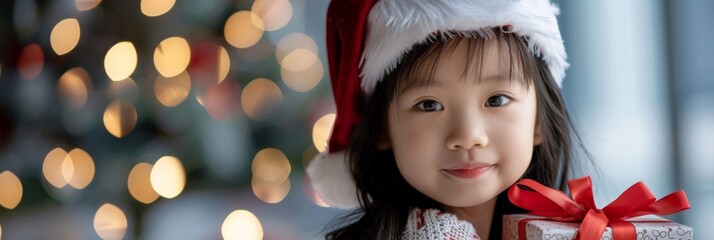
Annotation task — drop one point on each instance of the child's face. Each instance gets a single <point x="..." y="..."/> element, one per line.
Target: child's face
<point x="461" y="141"/>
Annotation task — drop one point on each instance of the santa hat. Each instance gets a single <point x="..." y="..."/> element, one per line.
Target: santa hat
<point x="366" y="39"/>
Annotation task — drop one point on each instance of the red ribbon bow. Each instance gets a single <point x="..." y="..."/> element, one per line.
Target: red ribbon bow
<point x="635" y="201"/>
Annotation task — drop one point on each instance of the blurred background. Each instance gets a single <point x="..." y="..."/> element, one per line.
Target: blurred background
<point x="194" y="119"/>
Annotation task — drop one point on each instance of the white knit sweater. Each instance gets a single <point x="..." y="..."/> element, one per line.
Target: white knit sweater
<point x="432" y="224"/>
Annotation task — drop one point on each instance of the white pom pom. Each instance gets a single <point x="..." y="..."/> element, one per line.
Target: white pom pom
<point x="331" y="179"/>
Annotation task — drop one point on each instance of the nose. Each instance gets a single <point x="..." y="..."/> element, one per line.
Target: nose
<point x="467" y="132"/>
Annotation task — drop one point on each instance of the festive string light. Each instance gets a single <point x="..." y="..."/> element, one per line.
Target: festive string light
<point x="174" y="90"/>
<point x="292" y="42"/>
<point x="270" y="192"/>
<point x="65" y="36"/>
<point x="110" y="222"/>
<point x="301" y="70"/>
<point x="168" y="177"/>
<point x="120" y="118"/>
<point x="271" y="165"/>
<point x="155" y="8"/>
<point x="242" y="224"/>
<point x="171" y="56"/>
<point x="10" y="190"/>
<point x="51" y="167"/>
<point x="321" y="131"/>
<point x="82" y="168"/>
<point x="271" y="15"/>
<point x="86" y="5"/>
<point x="259" y="97"/>
<point x="139" y="183"/>
<point x="73" y="86"/>
<point x="120" y="61"/>
<point x="243" y="29"/>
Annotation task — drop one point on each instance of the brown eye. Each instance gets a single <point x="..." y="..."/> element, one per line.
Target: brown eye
<point x="497" y="101"/>
<point x="430" y="106"/>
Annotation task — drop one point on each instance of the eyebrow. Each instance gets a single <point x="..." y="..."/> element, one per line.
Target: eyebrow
<point x="425" y="83"/>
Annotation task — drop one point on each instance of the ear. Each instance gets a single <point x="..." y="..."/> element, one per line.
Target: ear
<point x="537" y="134"/>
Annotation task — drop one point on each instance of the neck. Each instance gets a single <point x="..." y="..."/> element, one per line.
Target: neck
<point x="479" y="216"/>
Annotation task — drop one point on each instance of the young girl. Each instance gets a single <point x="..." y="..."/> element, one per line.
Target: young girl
<point x="441" y="107"/>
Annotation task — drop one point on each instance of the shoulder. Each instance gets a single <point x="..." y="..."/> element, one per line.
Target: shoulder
<point x="427" y="223"/>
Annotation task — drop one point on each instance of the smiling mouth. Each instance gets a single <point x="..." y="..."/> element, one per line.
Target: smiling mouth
<point x="469" y="172"/>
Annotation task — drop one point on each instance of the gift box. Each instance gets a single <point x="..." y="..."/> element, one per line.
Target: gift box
<point x="535" y="227"/>
<point x="554" y="215"/>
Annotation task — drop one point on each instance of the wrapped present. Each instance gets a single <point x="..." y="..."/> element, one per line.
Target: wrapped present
<point x="534" y="227"/>
<point x="552" y="211"/>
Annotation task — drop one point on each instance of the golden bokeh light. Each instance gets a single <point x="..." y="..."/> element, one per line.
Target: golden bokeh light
<point x="120" y="61"/>
<point x="168" y="177"/>
<point x="292" y="42"/>
<point x="52" y="167"/>
<point x="73" y="86"/>
<point x="298" y="60"/>
<point x="322" y="130"/>
<point x="301" y="70"/>
<point x="0" y="231"/>
<point x="271" y="165"/>
<point x="67" y="169"/>
<point x="65" y="36"/>
<point x="10" y="190"/>
<point x="139" y="183"/>
<point x="271" y="15"/>
<point x="82" y="168"/>
<point x="120" y="118"/>
<point x="243" y="29"/>
<point x="171" y="56"/>
<point x="154" y="8"/>
<point x="270" y="192"/>
<point x="243" y="225"/>
<point x="174" y="90"/>
<point x="259" y="97"/>
<point x="224" y="63"/>
<point x="86" y="5"/>
<point x="110" y="222"/>
<point x="31" y="61"/>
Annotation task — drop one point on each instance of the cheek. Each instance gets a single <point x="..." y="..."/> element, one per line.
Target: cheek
<point x="415" y="137"/>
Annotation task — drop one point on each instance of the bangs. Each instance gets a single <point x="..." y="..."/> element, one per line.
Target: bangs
<point x="514" y="60"/>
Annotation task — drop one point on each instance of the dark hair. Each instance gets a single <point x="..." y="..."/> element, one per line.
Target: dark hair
<point x="385" y="196"/>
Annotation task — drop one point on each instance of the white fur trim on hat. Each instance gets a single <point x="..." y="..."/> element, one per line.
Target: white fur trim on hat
<point x="395" y="26"/>
<point x="331" y="178"/>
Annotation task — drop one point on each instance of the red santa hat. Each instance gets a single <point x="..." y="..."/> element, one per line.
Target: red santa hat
<point x="366" y="39"/>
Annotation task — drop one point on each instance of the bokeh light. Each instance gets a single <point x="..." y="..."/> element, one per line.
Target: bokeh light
<point x="292" y="42"/>
<point x="271" y="15"/>
<point x="222" y="100"/>
<point x="270" y="192"/>
<point x="321" y="131"/>
<point x="243" y="225"/>
<point x="65" y="36"/>
<point x="301" y="70"/>
<point x="271" y="165"/>
<point x="73" y="86"/>
<point x="120" y="118"/>
<point x="52" y="167"/>
<point x="120" y="61"/>
<point x="243" y="29"/>
<point x="86" y="5"/>
<point x="171" y="56"/>
<point x="139" y="183"/>
<point x="110" y="222"/>
<point x="154" y="8"/>
<point x="259" y="97"/>
<point x="31" y="61"/>
<point x="126" y="88"/>
<point x="10" y="190"/>
<point x="168" y="177"/>
<point x="0" y="231"/>
<point x="224" y="63"/>
<point x="173" y="90"/>
<point x="82" y="168"/>
<point x="210" y="64"/>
